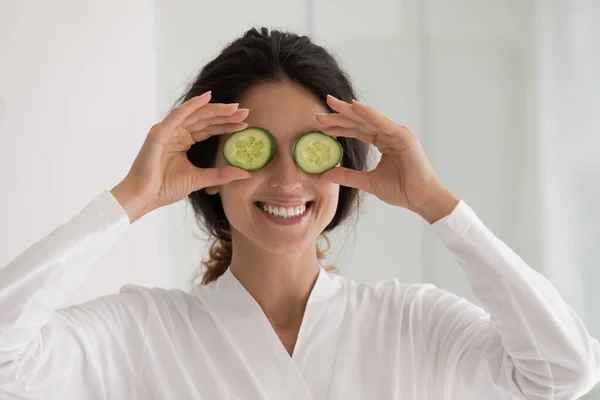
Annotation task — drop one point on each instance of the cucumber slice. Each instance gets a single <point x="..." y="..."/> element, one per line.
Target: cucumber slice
<point x="250" y="149"/>
<point x="316" y="152"/>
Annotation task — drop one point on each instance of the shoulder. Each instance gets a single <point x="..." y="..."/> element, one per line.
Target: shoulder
<point x="157" y="294"/>
<point x="163" y="301"/>
<point x="388" y="290"/>
<point x="413" y="300"/>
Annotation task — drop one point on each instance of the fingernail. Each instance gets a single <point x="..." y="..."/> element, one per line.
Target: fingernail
<point x="335" y="98"/>
<point x="207" y="93"/>
<point x="244" y="109"/>
<point x="355" y="101"/>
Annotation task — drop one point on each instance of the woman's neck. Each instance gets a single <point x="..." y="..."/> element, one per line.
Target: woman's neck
<point x="280" y="283"/>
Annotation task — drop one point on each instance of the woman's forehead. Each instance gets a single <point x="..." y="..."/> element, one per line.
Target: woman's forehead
<point x="285" y="109"/>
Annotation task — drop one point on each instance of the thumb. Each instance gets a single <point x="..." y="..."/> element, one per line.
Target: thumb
<point x="348" y="177"/>
<point x="207" y="177"/>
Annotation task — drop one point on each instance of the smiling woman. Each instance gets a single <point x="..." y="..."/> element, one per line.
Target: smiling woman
<point x="284" y="80"/>
<point x="269" y="322"/>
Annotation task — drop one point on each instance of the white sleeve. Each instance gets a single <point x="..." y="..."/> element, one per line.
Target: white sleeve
<point x="528" y="343"/>
<point x="81" y="352"/>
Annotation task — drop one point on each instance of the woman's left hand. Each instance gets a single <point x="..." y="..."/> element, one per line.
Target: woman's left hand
<point x="403" y="177"/>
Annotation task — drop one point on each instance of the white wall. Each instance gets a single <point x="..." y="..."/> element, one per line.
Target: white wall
<point x="568" y="54"/>
<point x="77" y="79"/>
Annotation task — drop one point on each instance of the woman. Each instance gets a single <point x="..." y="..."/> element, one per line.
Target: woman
<point x="268" y="322"/>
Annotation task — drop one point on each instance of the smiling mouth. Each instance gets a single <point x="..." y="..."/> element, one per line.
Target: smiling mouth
<point x="285" y="212"/>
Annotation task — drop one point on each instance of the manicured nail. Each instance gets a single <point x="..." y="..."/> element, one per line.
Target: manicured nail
<point x="244" y="109"/>
<point x="335" y="98"/>
<point x="207" y="93"/>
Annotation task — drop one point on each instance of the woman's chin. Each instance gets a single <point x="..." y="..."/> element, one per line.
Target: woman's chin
<point x="284" y="243"/>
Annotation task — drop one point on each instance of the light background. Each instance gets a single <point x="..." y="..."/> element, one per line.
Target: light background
<point x="504" y="96"/>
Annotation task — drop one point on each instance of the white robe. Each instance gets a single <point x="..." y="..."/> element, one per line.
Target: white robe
<point x="385" y="340"/>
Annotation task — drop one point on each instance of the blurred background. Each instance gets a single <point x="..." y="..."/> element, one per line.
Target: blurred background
<point x="504" y="96"/>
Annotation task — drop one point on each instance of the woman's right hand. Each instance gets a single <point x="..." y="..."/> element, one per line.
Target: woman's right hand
<point x="161" y="173"/>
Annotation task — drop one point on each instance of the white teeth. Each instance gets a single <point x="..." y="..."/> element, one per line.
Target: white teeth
<point x="284" y="212"/>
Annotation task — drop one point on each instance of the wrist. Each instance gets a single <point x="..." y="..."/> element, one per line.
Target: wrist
<point x="440" y="206"/>
<point x="131" y="201"/>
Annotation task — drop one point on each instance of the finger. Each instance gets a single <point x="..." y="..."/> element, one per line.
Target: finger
<point x="179" y="114"/>
<point x="217" y="130"/>
<point x="329" y="120"/>
<point x="395" y="136"/>
<point x="383" y="143"/>
<point x="374" y="118"/>
<point x="209" y="111"/>
<point x="239" y="115"/>
<point x="208" y="177"/>
<point x="348" y="177"/>
<point x="350" y="133"/>
<point x="343" y="108"/>
<point x="340" y="125"/>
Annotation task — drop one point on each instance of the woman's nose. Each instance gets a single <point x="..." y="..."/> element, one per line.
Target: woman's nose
<point x="285" y="174"/>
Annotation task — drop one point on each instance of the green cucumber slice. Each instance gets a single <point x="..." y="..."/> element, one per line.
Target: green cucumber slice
<point x="249" y="149"/>
<point x="316" y="152"/>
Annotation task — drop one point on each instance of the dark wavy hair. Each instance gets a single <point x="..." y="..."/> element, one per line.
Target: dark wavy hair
<point x="263" y="55"/>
